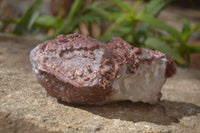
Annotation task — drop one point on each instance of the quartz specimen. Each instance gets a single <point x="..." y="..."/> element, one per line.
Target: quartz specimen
<point x="79" y="69"/>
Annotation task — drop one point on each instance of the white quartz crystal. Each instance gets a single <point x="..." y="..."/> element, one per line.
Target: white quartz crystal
<point x="144" y="85"/>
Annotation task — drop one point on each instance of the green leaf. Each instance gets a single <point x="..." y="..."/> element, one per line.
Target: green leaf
<point x="49" y="21"/>
<point x="151" y="6"/>
<point x="99" y="10"/>
<point x="76" y="6"/>
<point x="153" y="21"/>
<point x="157" y="44"/>
<point x="194" y="29"/>
<point x="160" y="6"/>
<point x="185" y="29"/>
<point x="26" y="22"/>
<point x="121" y="18"/>
<point x="135" y="5"/>
<point x="164" y="4"/>
<point x="113" y="30"/>
<point x="170" y="41"/>
<point x="186" y="25"/>
<point x="82" y="19"/>
<point x="194" y="48"/>
<point x="74" y="9"/>
<point x="123" y="5"/>
<point x="122" y="32"/>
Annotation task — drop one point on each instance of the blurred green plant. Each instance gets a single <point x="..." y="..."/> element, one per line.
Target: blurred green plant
<point x="24" y="25"/>
<point x="145" y="30"/>
<point x="139" y="27"/>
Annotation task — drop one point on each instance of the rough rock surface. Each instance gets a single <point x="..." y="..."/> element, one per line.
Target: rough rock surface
<point x="76" y="68"/>
<point x="26" y="107"/>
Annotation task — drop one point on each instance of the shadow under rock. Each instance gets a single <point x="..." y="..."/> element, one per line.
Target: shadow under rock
<point x="164" y="112"/>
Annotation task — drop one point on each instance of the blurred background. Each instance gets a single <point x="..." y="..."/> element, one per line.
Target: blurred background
<point x="170" y="26"/>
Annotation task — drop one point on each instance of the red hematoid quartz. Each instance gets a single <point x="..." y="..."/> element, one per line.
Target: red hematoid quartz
<point x="79" y="69"/>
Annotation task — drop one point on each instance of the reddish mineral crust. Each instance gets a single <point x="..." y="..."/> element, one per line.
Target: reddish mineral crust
<point x="79" y="69"/>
